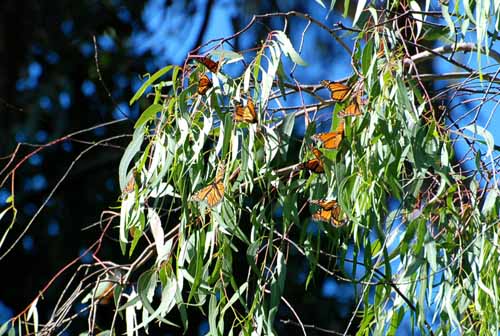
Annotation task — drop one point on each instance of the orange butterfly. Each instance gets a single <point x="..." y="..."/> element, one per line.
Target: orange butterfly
<point x="381" y="50"/>
<point x="209" y="63"/>
<point x="331" y="140"/>
<point x="329" y="212"/>
<point x="131" y="183"/>
<point x="213" y="193"/>
<point x="314" y="165"/>
<point x="339" y="91"/>
<point x="352" y="110"/>
<point x="245" y="114"/>
<point x="204" y="84"/>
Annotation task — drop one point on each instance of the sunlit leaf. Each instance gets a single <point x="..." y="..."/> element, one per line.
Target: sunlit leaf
<point x="149" y="82"/>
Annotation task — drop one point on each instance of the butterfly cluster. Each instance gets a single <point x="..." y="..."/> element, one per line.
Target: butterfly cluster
<point x="329" y="210"/>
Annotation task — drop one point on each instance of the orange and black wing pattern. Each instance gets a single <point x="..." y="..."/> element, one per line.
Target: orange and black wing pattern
<point x="331" y="140"/>
<point x="209" y="63"/>
<point x="245" y="114"/>
<point x="204" y="84"/>
<point x="213" y="193"/>
<point x="314" y="165"/>
<point x="339" y="91"/>
<point x="329" y="212"/>
<point x="353" y="109"/>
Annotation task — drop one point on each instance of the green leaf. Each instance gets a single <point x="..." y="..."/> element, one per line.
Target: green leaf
<point x="246" y="79"/>
<point x="488" y="137"/>
<point x="418" y="17"/>
<point x="5" y="327"/>
<point x="430" y="254"/>
<point x="213" y="312"/>
<point x="396" y="319"/>
<point x="132" y="149"/>
<point x="157" y="231"/>
<point x="278" y="280"/>
<point x="366" y="59"/>
<point x="4" y="212"/>
<point x="148" y="114"/>
<point x="288" y="49"/>
<point x="332" y="6"/>
<point x="181" y="306"/>
<point x="359" y="9"/>
<point x="33" y="315"/>
<point x="251" y="253"/>
<point x="447" y="18"/>
<point x="131" y="320"/>
<point x="150" y="81"/>
<point x="320" y="2"/>
<point x="346" y="8"/>
<point x="227" y="54"/>
<point x="104" y="333"/>
<point x="268" y="76"/>
<point x="490" y="202"/>
<point x="236" y="296"/>
<point x="146" y="287"/>
<point x="271" y="144"/>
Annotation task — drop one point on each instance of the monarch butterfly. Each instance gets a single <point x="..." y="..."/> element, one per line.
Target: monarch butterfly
<point x="209" y="63"/>
<point x="329" y="212"/>
<point x="213" y="193"/>
<point x="131" y="183"/>
<point x="204" y="84"/>
<point x="352" y="110"/>
<point x="339" y="91"/>
<point x="381" y="50"/>
<point x="331" y="140"/>
<point x="314" y="165"/>
<point x="245" y="114"/>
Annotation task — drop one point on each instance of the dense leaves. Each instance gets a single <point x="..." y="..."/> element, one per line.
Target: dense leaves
<point x="224" y="178"/>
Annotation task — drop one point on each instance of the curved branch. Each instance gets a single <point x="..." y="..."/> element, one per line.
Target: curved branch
<point x="452" y="48"/>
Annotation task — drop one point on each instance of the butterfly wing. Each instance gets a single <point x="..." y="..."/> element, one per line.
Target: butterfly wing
<point x="202" y="194"/>
<point x="352" y="110"/>
<point x="220" y="173"/>
<point x="245" y="114"/>
<point x="331" y="140"/>
<point x="131" y="183"/>
<point x="329" y="212"/>
<point x="214" y="193"/>
<point x="204" y="84"/>
<point x="211" y="194"/>
<point x="338" y="91"/>
<point x="317" y="153"/>
<point x="209" y="63"/>
<point x="325" y="205"/>
<point x="130" y="186"/>
<point x="322" y="215"/>
<point x="334" y="220"/>
<point x="313" y="165"/>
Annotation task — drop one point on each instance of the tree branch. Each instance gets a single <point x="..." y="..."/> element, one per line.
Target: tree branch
<point x="452" y="48"/>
